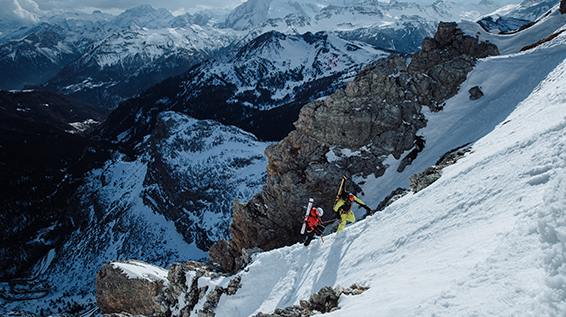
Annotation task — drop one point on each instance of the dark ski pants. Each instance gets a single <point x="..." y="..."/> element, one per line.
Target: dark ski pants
<point x="318" y="230"/>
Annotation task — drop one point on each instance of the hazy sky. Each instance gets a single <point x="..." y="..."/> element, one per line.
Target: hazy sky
<point x="20" y="7"/>
<point x="25" y="10"/>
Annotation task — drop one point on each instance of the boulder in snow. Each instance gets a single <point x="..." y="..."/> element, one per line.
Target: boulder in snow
<point x="130" y="287"/>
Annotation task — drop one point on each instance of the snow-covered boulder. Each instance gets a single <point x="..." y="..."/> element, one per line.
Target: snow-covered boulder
<point x="131" y="287"/>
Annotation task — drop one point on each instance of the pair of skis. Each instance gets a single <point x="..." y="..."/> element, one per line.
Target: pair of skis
<point x="304" y="227"/>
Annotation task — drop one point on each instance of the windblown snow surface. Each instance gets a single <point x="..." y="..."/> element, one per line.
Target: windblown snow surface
<point x="486" y="239"/>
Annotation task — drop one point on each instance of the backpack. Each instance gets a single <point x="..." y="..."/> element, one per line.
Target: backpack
<point x="346" y="207"/>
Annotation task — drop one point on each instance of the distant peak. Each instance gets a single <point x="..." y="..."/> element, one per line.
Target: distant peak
<point x="141" y="9"/>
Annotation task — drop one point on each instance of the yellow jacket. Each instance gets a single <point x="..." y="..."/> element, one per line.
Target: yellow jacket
<point x="341" y="205"/>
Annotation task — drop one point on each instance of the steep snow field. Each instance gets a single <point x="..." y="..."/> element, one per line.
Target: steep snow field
<point x="488" y="238"/>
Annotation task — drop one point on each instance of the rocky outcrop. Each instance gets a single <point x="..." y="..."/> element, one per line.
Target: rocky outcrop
<point x="116" y="292"/>
<point x="349" y="133"/>
<point x="421" y="180"/>
<point x="121" y="294"/>
<point x="541" y="41"/>
<point x="323" y="301"/>
<point x="563" y="6"/>
<point x="475" y="93"/>
<point x="448" y="43"/>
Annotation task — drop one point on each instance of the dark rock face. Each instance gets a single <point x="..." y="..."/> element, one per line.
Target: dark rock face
<point x="376" y="115"/>
<point x="563" y="6"/>
<point x="504" y="25"/>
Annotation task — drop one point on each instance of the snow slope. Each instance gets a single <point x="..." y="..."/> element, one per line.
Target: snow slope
<point x="488" y="238"/>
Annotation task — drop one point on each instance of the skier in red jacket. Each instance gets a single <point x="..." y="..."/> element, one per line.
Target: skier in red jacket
<point x="314" y="224"/>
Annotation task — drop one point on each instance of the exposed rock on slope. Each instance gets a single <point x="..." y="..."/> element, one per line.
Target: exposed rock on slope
<point x="420" y="181"/>
<point x="116" y="292"/>
<point x="323" y="301"/>
<point x="376" y="115"/>
<point x="137" y="288"/>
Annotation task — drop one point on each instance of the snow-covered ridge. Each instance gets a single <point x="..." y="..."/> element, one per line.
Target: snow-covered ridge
<point x="151" y="44"/>
<point x="348" y="15"/>
<point x="281" y="64"/>
<point x="512" y="43"/>
<point x="140" y="270"/>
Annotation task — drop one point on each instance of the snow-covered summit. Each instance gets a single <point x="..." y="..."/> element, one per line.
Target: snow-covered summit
<point x="144" y="16"/>
<point x="129" y="61"/>
<point x="314" y="16"/>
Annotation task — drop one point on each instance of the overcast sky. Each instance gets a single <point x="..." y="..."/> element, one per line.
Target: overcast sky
<point x="25" y="10"/>
<point x="110" y="6"/>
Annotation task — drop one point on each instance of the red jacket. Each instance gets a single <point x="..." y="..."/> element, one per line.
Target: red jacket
<point x="313" y="219"/>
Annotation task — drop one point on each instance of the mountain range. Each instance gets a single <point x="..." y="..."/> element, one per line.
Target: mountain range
<point x="259" y="87"/>
<point x="158" y="179"/>
<point x="116" y="57"/>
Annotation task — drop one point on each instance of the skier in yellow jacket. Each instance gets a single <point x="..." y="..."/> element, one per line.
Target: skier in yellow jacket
<point x="343" y="208"/>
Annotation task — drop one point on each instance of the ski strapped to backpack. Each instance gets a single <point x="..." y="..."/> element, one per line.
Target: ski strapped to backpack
<point x="303" y="228"/>
<point x="341" y="188"/>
